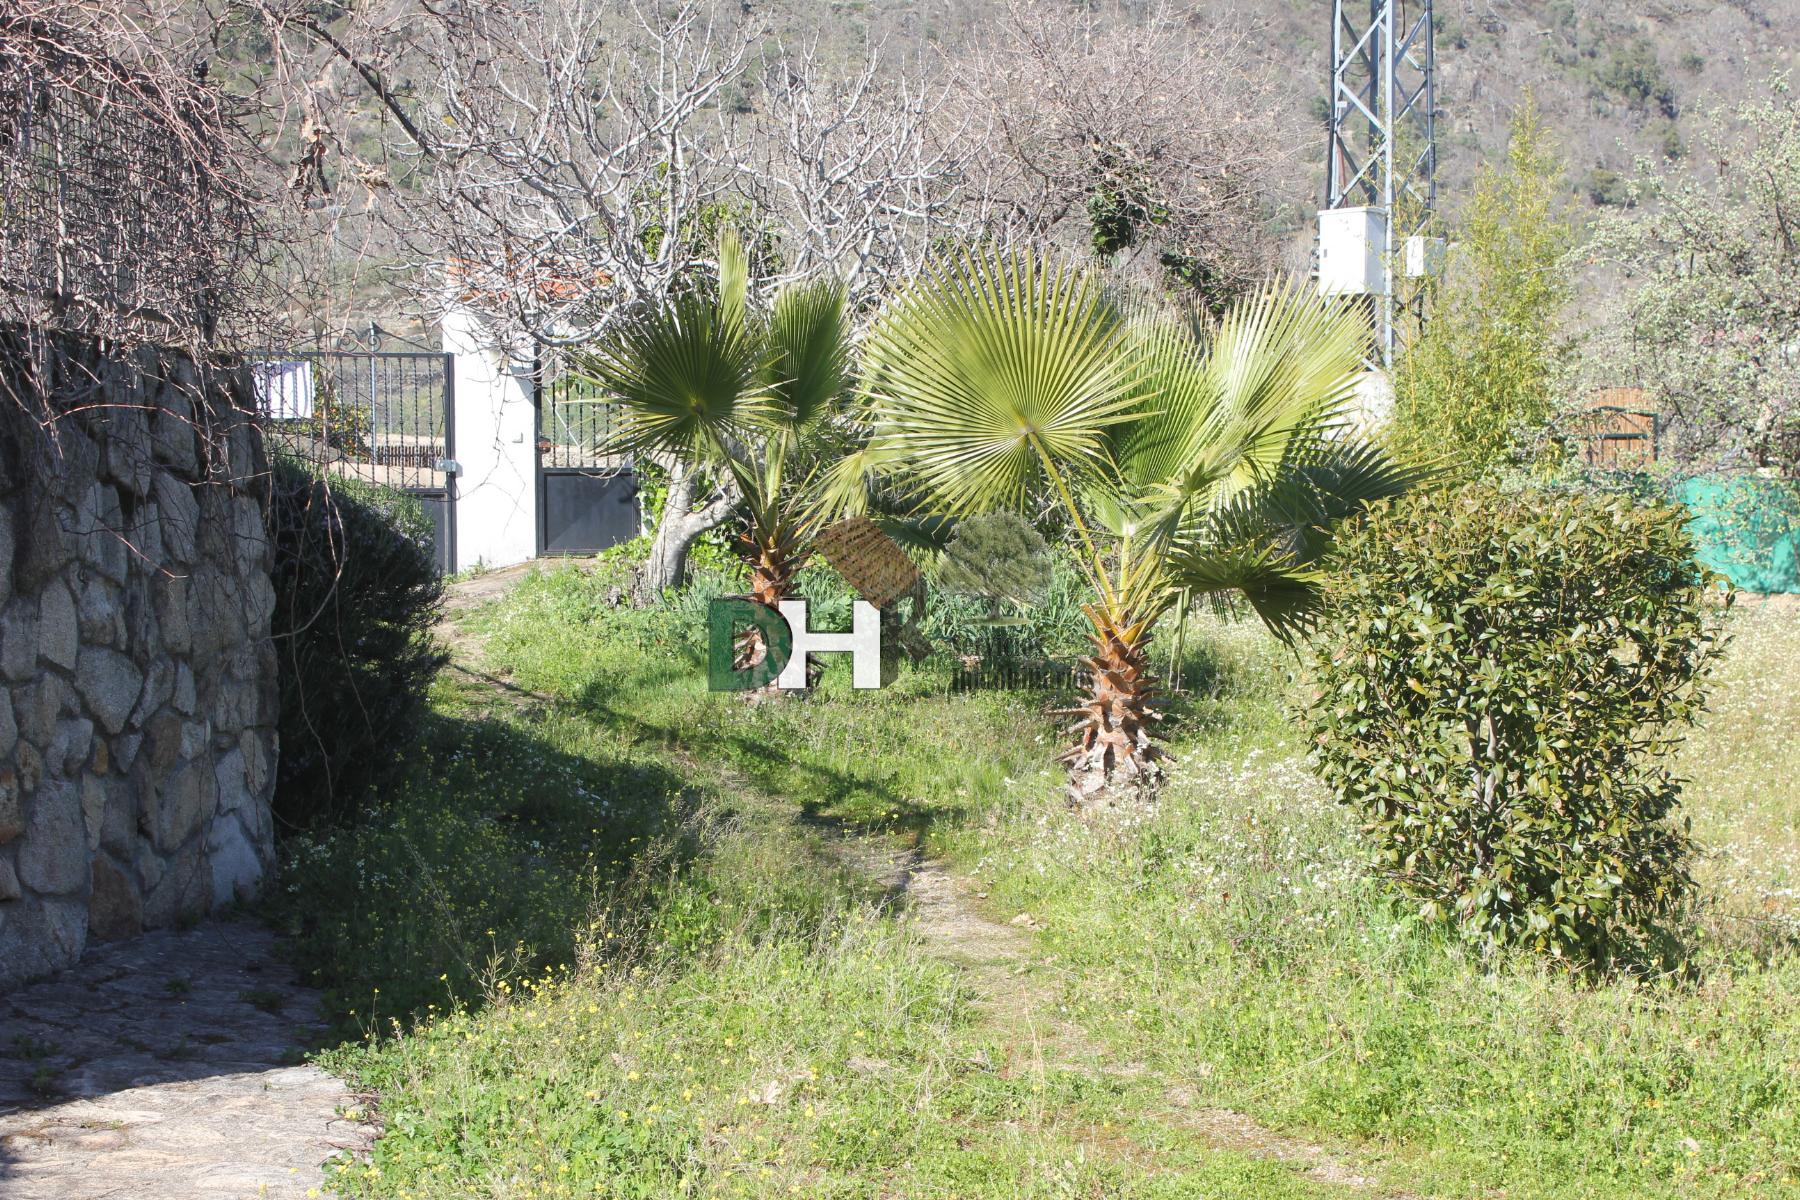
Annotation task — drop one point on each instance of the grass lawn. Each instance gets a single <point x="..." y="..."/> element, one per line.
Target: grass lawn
<point x="620" y="936"/>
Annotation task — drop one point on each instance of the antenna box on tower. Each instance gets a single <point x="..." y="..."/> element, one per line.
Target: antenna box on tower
<point x="1424" y="257"/>
<point x="1351" y="244"/>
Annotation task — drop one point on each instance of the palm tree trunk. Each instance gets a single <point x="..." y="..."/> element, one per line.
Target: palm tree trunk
<point x="772" y="570"/>
<point x="1114" y="726"/>
<point x="774" y="559"/>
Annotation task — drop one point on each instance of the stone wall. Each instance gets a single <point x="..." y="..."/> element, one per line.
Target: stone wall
<point x="137" y="680"/>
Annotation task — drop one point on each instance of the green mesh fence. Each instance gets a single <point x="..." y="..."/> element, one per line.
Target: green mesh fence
<point x="1747" y="528"/>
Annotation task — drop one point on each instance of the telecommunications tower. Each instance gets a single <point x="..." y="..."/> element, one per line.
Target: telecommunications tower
<point x="1381" y="158"/>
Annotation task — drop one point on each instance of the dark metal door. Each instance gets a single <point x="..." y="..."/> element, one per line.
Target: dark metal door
<point x="587" y="497"/>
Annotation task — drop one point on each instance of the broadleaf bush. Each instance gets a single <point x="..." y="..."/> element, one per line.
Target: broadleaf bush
<point x="1502" y="678"/>
<point x="357" y="593"/>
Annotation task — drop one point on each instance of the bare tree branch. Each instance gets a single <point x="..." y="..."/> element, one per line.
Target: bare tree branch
<point x="1152" y="141"/>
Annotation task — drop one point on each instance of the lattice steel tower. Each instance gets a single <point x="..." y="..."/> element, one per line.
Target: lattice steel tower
<point x="1382" y="153"/>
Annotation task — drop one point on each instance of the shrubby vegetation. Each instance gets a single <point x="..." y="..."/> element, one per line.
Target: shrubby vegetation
<point x="1231" y="935"/>
<point x="1710" y="317"/>
<point x="1001" y="600"/>
<point x="1503" y="681"/>
<point x="998" y="556"/>
<point x="1476" y="388"/>
<point x="1632" y="72"/>
<point x="357" y="592"/>
<point x="1052" y="629"/>
<point x="758" y="1021"/>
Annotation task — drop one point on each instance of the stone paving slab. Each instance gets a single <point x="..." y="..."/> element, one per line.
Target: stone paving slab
<point x="166" y="1068"/>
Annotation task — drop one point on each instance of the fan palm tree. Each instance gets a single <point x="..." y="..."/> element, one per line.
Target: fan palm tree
<point x="1185" y="462"/>
<point x="754" y="395"/>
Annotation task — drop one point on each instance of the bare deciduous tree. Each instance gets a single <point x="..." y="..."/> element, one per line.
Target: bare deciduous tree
<point x="575" y="160"/>
<point x="128" y="188"/>
<point x="564" y="162"/>
<point x="578" y="154"/>
<point x="1153" y="141"/>
<point x="859" y="174"/>
<point x="572" y="159"/>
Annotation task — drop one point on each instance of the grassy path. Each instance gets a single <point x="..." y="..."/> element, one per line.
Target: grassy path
<point x="1018" y="1085"/>
<point x="1001" y="962"/>
<point x="1003" y="966"/>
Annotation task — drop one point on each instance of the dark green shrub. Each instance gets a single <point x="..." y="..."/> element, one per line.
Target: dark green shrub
<point x="1607" y="188"/>
<point x="1633" y="72"/>
<point x="357" y="592"/>
<point x="1502" y="678"/>
<point x="999" y="556"/>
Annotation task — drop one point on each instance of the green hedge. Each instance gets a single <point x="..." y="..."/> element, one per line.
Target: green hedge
<point x="357" y="593"/>
<point x="1503" y="678"/>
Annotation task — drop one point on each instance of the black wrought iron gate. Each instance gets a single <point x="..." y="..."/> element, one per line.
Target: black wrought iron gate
<point x="587" y="497"/>
<point x="380" y="417"/>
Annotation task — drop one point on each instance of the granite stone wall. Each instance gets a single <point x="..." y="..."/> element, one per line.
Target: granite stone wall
<point x="137" y="680"/>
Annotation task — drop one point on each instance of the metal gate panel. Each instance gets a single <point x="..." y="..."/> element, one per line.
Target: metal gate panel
<point x="587" y="495"/>
<point x="383" y="418"/>
<point x="584" y="514"/>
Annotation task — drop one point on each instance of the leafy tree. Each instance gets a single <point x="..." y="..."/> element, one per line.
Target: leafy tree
<point x="755" y="397"/>
<point x="1180" y="458"/>
<point x="1478" y="379"/>
<point x="1710" y="323"/>
<point x="1502" y="681"/>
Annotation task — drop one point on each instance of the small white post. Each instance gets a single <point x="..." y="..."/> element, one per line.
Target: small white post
<point x="862" y="643"/>
<point x="495" y="489"/>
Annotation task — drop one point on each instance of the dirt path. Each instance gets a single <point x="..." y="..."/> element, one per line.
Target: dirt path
<point x="464" y="596"/>
<point x="999" y="961"/>
<point x="468" y="657"/>
<point x="167" y="1067"/>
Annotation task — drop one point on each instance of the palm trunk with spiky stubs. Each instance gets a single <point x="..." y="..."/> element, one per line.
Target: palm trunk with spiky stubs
<point x="775" y="557"/>
<point x="1115" y="720"/>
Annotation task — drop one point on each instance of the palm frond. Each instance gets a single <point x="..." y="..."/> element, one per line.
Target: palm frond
<point x="1285" y="366"/>
<point x="809" y="352"/>
<point x="1285" y="595"/>
<point x="686" y="378"/>
<point x="1267" y="540"/>
<point x="1181" y="403"/>
<point x="734" y="278"/>
<point x="847" y="483"/>
<point x="924" y="536"/>
<point x="995" y="369"/>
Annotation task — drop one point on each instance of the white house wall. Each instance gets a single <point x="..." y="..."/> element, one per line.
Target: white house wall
<point x="496" y="447"/>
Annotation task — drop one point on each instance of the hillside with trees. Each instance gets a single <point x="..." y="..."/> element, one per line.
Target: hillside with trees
<point x="1188" y="141"/>
<point x="1613" y="81"/>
